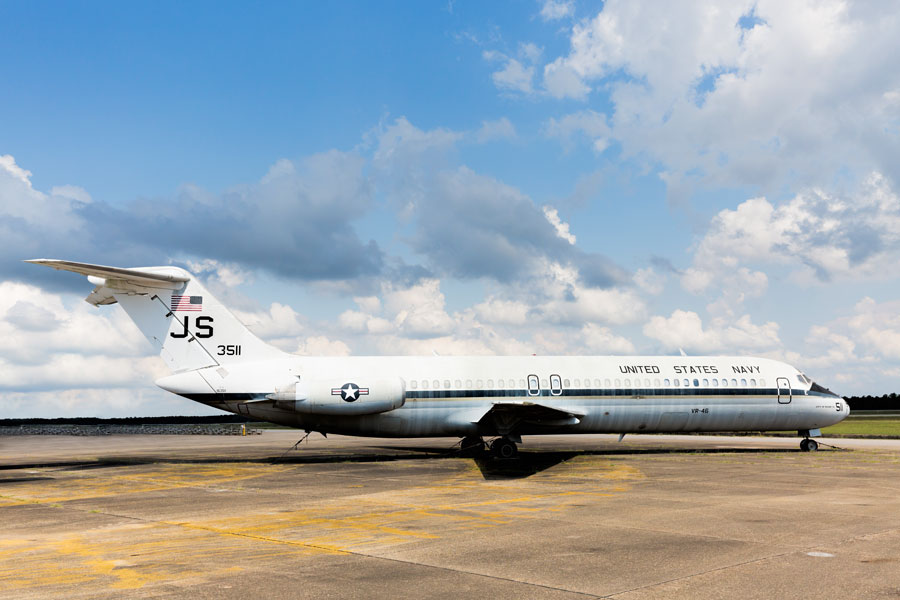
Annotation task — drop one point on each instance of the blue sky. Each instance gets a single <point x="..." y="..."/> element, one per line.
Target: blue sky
<point x="466" y="177"/>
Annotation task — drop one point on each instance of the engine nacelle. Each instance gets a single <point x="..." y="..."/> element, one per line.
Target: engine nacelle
<point x="346" y="396"/>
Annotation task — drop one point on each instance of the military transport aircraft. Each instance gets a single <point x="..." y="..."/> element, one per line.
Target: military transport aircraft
<point x="217" y="361"/>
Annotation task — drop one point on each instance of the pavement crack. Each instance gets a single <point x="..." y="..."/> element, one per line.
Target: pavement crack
<point x="476" y="574"/>
<point x="331" y="550"/>
<point x="699" y="573"/>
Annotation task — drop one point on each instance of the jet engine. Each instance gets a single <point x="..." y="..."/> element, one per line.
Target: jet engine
<point x="346" y="396"/>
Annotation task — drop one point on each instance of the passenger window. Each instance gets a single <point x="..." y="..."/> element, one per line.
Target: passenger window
<point x="666" y="382"/>
<point x="413" y="384"/>
<point x="606" y="383"/>
<point x="555" y="385"/>
<point x="522" y="383"/>
<point x="628" y="383"/>
<point x="480" y="384"/>
<point x="567" y="384"/>
<point x="677" y="382"/>
<point x="446" y="384"/>
<point x="762" y="383"/>
<point x="424" y="384"/>
<point x="752" y="383"/>
<point x="578" y="383"/>
<point x="696" y="383"/>
<point x="533" y="387"/>
<point x="656" y="383"/>
<point x="724" y="383"/>
<point x="743" y="383"/>
<point x="436" y="383"/>
<point x="457" y="384"/>
<point x="734" y="383"/>
<point x="706" y="383"/>
<point x="490" y="383"/>
<point x="687" y="383"/>
<point x="715" y="382"/>
<point x="618" y="383"/>
<point x="468" y="384"/>
<point x="647" y="383"/>
<point x="596" y="383"/>
<point x="499" y="383"/>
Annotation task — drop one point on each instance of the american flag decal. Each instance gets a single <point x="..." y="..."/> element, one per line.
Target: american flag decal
<point x="187" y="303"/>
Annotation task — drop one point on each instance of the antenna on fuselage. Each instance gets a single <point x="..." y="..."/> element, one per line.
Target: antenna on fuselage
<point x="682" y="352"/>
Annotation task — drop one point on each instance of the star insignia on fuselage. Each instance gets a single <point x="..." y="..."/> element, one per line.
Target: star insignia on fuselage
<point x="349" y="392"/>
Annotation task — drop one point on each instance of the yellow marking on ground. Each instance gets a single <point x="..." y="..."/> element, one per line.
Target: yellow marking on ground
<point x="460" y="502"/>
<point x="84" y="485"/>
<point x="125" y="557"/>
<point x="235" y="533"/>
<point x="175" y="548"/>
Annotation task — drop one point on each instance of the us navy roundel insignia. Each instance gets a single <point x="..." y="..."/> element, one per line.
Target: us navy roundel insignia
<point x="349" y="392"/>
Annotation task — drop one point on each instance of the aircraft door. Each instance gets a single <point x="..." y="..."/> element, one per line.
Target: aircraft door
<point x="555" y="385"/>
<point x="784" y="390"/>
<point x="534" y="385"/>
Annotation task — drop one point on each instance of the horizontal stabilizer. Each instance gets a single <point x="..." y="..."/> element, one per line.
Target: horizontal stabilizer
<point x="148" y="276"/>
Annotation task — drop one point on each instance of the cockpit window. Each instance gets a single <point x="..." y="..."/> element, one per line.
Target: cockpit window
<point x="803" y="378"/>
<point x="818" y="388"/>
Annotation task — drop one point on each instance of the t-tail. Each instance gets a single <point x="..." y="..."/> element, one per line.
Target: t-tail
<point x="189" y="327"/>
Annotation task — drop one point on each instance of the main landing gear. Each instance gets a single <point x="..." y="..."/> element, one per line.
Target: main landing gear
<point x="471" y="445"/>
<point x="504" y="448"/>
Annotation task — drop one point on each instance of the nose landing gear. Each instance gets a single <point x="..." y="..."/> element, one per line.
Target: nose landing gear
<point x="807" y="444"/>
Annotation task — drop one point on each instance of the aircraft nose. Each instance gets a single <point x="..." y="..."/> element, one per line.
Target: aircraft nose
<point x="846" y="406"/>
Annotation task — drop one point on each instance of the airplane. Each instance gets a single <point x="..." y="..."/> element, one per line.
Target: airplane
<point x="217" y="361"/>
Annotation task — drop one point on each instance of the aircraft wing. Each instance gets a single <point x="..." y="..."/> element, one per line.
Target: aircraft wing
<point x="508" y="415"/>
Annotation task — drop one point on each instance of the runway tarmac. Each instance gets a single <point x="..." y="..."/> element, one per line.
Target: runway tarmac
<point x="135" y="516"/>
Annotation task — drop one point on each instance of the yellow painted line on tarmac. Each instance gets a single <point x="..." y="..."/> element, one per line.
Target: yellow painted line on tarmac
<point x="85" y="485"/>
<point x="138" y="554"/>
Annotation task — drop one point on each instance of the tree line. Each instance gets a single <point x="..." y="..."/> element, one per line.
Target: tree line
<point x="885" y="402"/>
<point x="173" y="420"/>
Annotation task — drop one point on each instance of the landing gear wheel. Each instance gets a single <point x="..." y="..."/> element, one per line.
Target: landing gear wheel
<point x="504" y="448"/>
<point x="809" y="445"/>
<point x="471" y="446"/>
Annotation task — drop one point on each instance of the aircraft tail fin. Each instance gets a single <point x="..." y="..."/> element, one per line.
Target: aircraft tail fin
<point x="189" y="327"/>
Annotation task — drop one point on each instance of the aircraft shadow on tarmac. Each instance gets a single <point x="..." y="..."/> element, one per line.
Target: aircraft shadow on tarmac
<point x="531" y="462"/>
<point x="525" y="464"/>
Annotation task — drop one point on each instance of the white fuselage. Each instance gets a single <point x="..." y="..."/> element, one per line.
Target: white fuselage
<point x="449" y="396"/>
<point x="216" y="360"/>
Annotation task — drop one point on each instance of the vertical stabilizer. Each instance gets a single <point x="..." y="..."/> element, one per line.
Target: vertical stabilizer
<point x="189" y="327"/>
